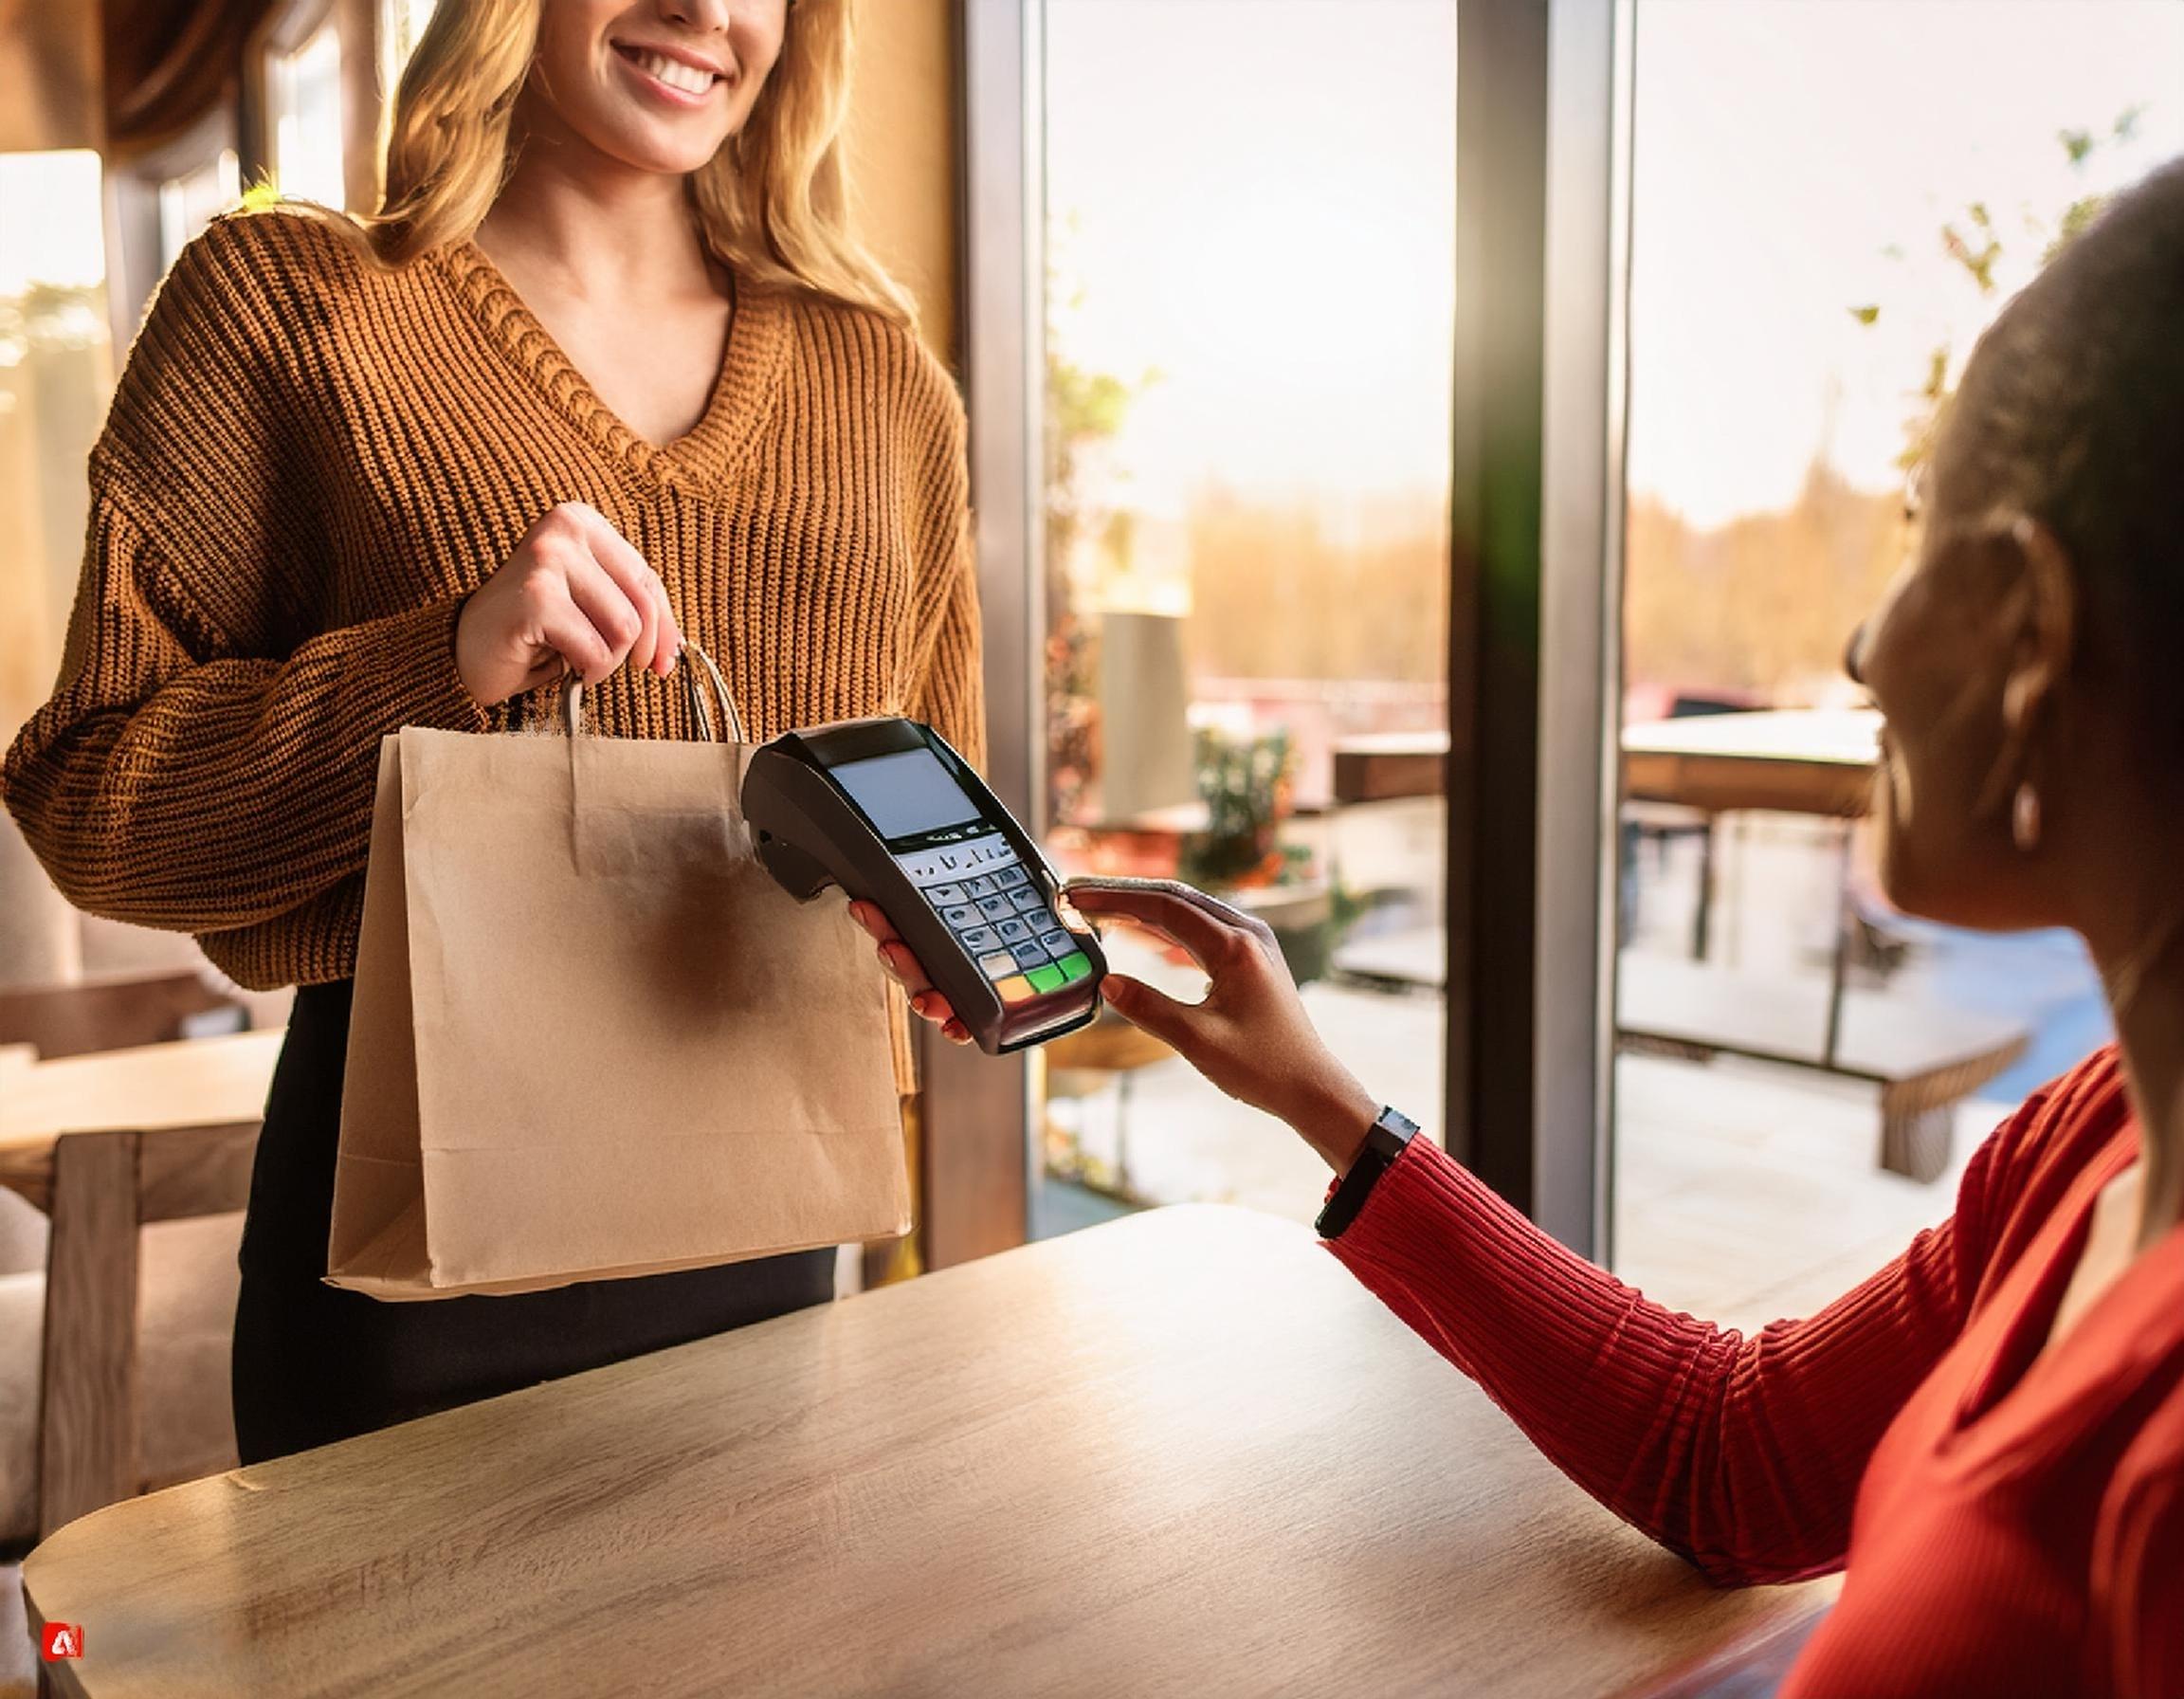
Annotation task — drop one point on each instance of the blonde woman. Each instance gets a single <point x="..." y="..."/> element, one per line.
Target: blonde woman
<point x="608" y="370"/>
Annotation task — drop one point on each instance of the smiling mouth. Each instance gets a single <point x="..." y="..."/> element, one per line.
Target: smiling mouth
<point x="673" y="73"/>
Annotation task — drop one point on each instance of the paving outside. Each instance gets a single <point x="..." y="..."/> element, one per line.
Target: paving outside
<point x="1741" y="1192"/>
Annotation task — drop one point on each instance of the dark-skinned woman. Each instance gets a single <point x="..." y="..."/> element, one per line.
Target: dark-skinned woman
<point x="1988" y="1434"/>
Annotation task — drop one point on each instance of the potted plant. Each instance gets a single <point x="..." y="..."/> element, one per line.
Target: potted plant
<point x="1247" y="786"/>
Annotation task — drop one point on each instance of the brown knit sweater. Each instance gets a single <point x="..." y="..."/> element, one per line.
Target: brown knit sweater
<point x="309" y="465"/>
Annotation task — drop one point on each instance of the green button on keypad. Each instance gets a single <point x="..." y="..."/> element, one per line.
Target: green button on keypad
<point x="1075" y="965"/>
<point x="1050" y="978"/>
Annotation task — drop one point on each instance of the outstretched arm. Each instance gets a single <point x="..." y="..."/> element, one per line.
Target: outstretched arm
<point x="1743" y="1454"/>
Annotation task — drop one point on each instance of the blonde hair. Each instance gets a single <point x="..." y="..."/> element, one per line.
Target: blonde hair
<point x="772" y="205"/>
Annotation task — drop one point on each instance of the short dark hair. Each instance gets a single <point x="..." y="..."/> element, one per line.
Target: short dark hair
<point x="2072" y="411"/>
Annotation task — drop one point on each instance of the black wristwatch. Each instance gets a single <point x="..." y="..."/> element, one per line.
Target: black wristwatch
<point x="1383" y="1143"/>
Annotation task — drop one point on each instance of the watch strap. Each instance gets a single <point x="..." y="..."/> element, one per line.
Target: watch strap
<point x="1385" y="1140"/>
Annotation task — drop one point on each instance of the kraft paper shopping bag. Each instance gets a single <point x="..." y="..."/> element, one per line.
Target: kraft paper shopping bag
<point x="591" y="1037"/>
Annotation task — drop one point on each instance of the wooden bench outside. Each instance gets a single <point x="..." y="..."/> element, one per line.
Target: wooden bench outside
<point x="1924" y="1058"/>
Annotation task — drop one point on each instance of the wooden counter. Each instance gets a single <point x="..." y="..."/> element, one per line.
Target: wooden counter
<point x="1181" y="1454"/>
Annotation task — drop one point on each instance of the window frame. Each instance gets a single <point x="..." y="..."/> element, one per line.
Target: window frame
<point x="1532" y="776"/>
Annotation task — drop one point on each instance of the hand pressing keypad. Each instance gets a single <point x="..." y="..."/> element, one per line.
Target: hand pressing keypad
<point x="996" y="909"/>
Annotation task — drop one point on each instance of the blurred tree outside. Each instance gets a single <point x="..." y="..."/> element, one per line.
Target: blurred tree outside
<point x="1246" y="784"/>
<point x="1975" y="246"/>
<point x="1087" y="529"/>
<point x="1764" y="603"/>
<point x="1275" y="596"/>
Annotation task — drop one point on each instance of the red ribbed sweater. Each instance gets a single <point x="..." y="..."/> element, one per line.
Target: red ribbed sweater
<point x="2004" y="1529"/>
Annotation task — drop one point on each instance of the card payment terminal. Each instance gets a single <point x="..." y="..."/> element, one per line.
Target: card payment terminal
<point x="888" y="811"/>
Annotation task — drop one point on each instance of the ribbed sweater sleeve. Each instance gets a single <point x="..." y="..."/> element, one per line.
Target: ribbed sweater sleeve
<point x="174" y="781"/>
<point x="208" y="760"/>
<point x="1741" y="1454"/>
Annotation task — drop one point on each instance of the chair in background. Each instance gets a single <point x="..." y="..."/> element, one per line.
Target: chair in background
<point x="1658" y="825"/>
<point x="106" y="1188"/>
<point x="116" y="1013"/>
<point x="138" y="1340"/>
<point x="1079" y="1064"/>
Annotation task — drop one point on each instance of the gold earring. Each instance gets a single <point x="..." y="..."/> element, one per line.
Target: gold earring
<point x="2025" y="818"/>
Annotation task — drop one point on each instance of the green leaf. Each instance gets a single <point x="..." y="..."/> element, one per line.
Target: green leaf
<point x="1865" y="315"/>
<point x="2076" y="216"/>
<point x="1977" y="262"/>
<point x="1936" y="384"/>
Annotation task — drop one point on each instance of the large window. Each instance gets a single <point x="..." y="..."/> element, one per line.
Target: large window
<point x="303" y="111"/>
<point x="56" y="372"/>
<point x="1249" y="311"/>
<point x="194" y="197"/>
<point x="401" y="25"/>
<point x="1830" y="199"/>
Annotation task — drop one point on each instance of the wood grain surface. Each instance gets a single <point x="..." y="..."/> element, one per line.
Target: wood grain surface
<point x="105" y="1186"/>
<point x="87" y="1421"/>
<point x="1180" y="1453"/>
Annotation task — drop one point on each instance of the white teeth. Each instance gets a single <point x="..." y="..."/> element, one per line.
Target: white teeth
<point x="673" y="73"/>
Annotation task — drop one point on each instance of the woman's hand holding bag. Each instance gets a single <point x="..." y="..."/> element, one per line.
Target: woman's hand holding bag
<point x="574" y="597"/>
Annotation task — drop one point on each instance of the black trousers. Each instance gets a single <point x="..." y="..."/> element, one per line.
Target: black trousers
<point x="315" y="1365"/>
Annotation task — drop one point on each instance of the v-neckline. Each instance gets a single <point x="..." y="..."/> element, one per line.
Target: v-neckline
<point x="2019" y="1352"/>
<point x="736" y="405"/>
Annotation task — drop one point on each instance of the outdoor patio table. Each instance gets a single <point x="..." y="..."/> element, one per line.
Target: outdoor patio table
<point x="1798" y="760"/>
<point x="1183" y="1452"/>
<point x="1811" y="761"/>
